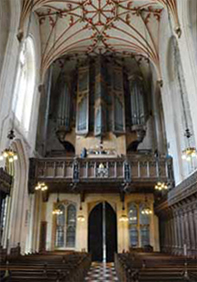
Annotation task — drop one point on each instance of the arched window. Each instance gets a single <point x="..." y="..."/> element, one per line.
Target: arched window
<point x="139" y="226"/>
<point x="66" y="227"/>
<point x="71" y="226"/>
<point x="182" y="117"/>
<point x="133" y="222"/>
<point x="60" y="222"/>
<point x="144" y="227"/>
<point x="25" y="84"/>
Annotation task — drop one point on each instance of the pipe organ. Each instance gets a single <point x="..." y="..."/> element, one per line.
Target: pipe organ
<point x="101" y="99"/>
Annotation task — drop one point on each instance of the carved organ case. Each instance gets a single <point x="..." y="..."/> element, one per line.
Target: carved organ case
<point x="64" y="103"/>
<point x="137" y="101"/>
<point x="118" y="100"/>
<point x="82" y="119"/>
<point x="100" y="96"/>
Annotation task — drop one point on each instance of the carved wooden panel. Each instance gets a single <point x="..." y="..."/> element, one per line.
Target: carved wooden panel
<point x="83" y="170"/>
<point x="134" y="169"/>
<point x="153" y="169"/>
<point x="59" y="169"/>
<point x="68" y="169"/>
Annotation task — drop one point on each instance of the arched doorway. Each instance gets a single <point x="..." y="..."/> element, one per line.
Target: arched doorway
<point x="102" y="233"/>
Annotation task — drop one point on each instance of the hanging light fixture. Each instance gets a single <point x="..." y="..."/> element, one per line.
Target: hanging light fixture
<point x="189" y="152"/>
<point x="146" y="210"/>
<point x="160" y="186"/>
<point x="80" y="217"/>
<point x="41" y="186"/>
<point x="124" y="217"/>
<point x="8" y="153"/>
<point x="57" y="210"/>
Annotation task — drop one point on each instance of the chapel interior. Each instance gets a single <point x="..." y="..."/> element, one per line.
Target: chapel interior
<point x="98" y="140"/>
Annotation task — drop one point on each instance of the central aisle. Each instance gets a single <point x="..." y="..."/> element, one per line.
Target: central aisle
<point x="101" y="272"/>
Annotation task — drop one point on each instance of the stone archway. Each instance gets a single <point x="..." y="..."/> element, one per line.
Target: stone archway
<point x="102" y="232"/>
<point x="17" y="228"/>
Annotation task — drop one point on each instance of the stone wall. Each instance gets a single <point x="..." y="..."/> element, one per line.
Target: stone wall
<point x="43" y="212"/>
<point x="18" y="216"/>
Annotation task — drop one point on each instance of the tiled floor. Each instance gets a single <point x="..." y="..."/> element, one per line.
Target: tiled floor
<point x="101" y="272"/>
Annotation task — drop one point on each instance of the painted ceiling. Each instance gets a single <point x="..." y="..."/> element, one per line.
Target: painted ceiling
<point x="99" y="27"/>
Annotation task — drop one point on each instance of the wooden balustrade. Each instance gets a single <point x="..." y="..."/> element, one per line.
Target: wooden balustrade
<point x="89" y="168"/>
<point x="135" y="169"/>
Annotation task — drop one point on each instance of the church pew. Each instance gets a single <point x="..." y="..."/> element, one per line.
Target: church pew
<point x="154" y="267"/>
<point x="3" y="254"/>
<point x="48" y="267"/>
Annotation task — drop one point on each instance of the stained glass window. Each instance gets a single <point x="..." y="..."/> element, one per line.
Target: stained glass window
<point x="66" y="226"/>
<point x="139" y="226"/>
<point x="60" y="227"/>
<point x="133" y="220"/>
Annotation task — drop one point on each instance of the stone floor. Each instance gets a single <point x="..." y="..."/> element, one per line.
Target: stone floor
<point x="101" y="272"/>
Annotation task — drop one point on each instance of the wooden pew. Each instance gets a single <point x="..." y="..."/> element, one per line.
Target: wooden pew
<point x="154" y="267"/>
<point x="3" y="254"/>
<point x="70" y="267"/>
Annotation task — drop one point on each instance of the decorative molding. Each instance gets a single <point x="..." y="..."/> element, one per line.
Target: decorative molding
<point x="126" y="27"/>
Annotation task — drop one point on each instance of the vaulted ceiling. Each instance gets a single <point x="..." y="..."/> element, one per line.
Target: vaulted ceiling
<point x="99" y="26"/>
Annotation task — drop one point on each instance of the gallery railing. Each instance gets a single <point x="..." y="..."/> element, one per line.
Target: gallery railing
<point x="133" y="168"/>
